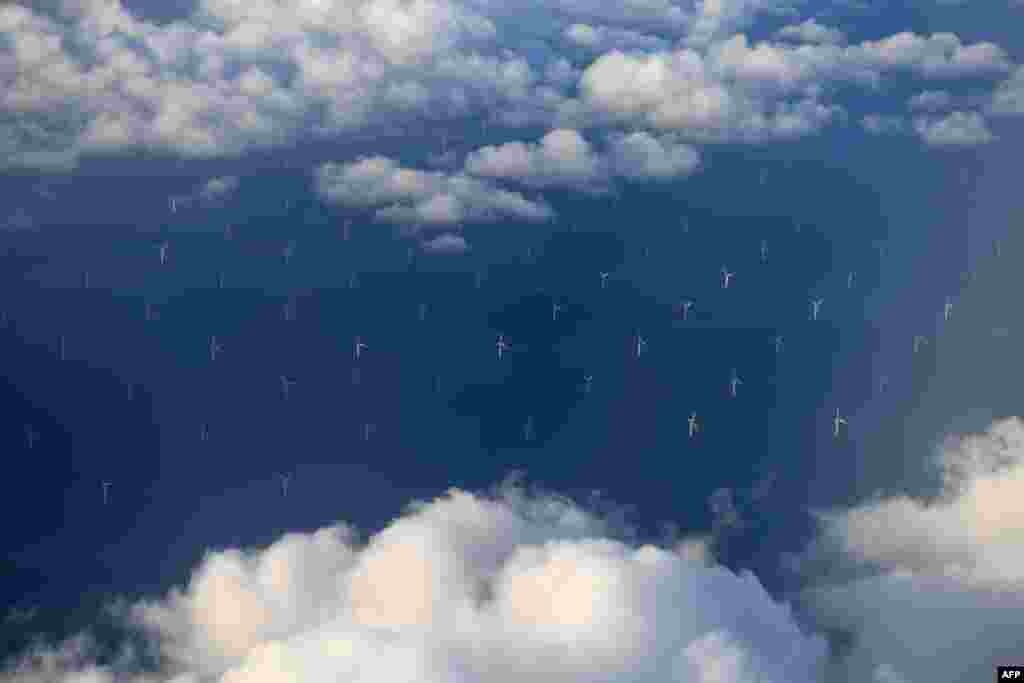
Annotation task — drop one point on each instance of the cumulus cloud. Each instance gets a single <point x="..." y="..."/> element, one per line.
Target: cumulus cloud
<point x="212" y="192"/>
<point x="810" y="31"/>
<point x="218" y="188"/>
<point x="938" y="586"/>
<point x="446" y="243"/>
<point x="940" y="55"/>
<point x="1009" y="96"/>
<point x="402" y="195"/>
<point x="564" y="158"/>
<point x="684" y="91"/>
<point x="735" y="90"/>
<point x="930" y="100"/>
<point x="465" y="588"/>
<point x="642" y="156"/>
<point x="604" y="38"/>
<point x="881" y="124"/>
<point x="91" y="78"/>
<point x="714" y="19"/>
<point x="956" y="129"/>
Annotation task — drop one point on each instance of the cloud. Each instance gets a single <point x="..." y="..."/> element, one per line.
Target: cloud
<point x="949" y="570"/>
<point x="218" y="188"/>
<point x="956" y="129"/>
<point x="810" y="31"/>
<point x="563" y="158"/>
<point x="603" y="38"/>
<point x="90" y="78"/>
<point x="641" y="156"/>
<point x="21" y="615"/>
<point x="446" y="243"/>
<point x="940" y="55"/>
<point x="401" y="195"/>
<point x="930" y="100"/>
<point x="683" y="91"/>
<point x="464" y="588"/>
<point x="738" y="91"/>
<point x="1008" y="97"/>
<point x="880" y="124"/>
<point x="212" y="192"/>
<point x="715" y="19"/>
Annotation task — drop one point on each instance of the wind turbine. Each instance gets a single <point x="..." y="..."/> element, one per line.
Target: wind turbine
<point x="640" y="345"/>
<point x="837" y="422"/>
<point x="734" y="382"/>
<point x="31" y="436"/>
<point x="556" y="308"/>
<point x="528" y="431"/>
<point x="215" y="348"/>
<point x="726" y="277"/>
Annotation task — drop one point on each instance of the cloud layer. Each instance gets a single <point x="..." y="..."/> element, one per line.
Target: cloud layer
<point x="402" y="195"/>
<point x="514" y="585"/>
<point x="89" y="77"/>
<point x="464" y="588"/>
<point x="940" y="586"/>
<point x="563" y="158"/>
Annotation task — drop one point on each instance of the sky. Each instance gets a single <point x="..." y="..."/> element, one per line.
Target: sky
<point x="208" y="206"/>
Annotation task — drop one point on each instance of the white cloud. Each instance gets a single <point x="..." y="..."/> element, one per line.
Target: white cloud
<point x="603" y="38"/>
<point x="715" y="19"/>
<point x="213" y="191"/>
<point x="91" y="78"/>
<point x="721" y="96"/>
<point x="446" y="243"/>
<point x="956" y="129"/>
<point x="810" y="31"/>
<point x="641" y="156"/>
<point x="930" y="100"/>
<point x="1009" y="96"/>
<point x="948" y="571"/>
<point x="402" y="195"/>
<point x="940" y="55"/>
<point x="563" y="158"/>
<point x="468" y="589"/>
<point x="218" y="188"/>
<point x="880" y="124"/>
<point x="735" y="90"/>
